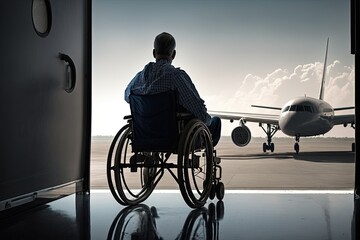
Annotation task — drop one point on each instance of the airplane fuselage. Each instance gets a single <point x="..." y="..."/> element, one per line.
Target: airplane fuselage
<point x="306" y="116"/>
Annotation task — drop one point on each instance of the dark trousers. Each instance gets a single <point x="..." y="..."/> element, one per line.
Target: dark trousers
<point x="215" y="129"/>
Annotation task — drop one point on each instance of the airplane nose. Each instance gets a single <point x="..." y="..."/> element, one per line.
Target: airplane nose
<point x="289" y="123"/>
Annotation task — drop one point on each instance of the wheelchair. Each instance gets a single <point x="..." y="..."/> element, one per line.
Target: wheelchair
<point x="145" y="147"/>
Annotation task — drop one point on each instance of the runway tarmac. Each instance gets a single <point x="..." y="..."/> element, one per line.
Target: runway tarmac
<point x="322" y="164"/>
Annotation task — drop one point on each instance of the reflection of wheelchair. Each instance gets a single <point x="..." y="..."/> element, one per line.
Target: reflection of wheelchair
<point x="141" y="151"/>
<point x="203" y="223"/>
<point x="139" y="222"/>
<point x="135" y="222"/>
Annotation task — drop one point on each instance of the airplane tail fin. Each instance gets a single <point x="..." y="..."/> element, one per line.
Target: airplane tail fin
<point x="321" y="97"/>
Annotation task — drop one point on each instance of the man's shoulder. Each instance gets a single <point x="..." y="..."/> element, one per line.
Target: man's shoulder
<point x="178" y="70"/>
<point x="149" y="64"/>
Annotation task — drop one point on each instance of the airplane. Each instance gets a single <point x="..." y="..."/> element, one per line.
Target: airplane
<point x="299" y="117"/>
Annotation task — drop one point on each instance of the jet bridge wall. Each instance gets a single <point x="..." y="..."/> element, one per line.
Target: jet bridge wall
<point x="45" y="99"/>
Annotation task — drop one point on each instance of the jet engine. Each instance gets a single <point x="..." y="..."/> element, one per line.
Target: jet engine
<point x="241" y="135"/>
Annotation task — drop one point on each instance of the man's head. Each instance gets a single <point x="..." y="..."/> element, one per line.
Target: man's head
<point x="164" y="46"/>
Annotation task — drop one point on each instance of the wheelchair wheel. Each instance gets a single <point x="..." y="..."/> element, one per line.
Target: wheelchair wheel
<point x="110" y="164"/>
<point x="196" y="225"/>
<point x="130" y="182"/>
<point x="134" y="222"/>
<point x="195" y="163"/>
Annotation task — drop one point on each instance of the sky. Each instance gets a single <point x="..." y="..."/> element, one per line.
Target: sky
<point x="238" y="53"/>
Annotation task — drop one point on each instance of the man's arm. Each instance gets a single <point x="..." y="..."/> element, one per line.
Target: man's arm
<point x="129" y="88"/>
<point x="189" y="97"/>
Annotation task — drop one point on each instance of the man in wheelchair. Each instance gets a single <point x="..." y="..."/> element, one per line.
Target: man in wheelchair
<point x="161" y="76"/>
<point x="167" y="117"/>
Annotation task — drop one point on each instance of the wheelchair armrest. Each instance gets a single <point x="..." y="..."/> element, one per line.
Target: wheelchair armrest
<point x="127" y="117"/>
<point x="184" y="115"/>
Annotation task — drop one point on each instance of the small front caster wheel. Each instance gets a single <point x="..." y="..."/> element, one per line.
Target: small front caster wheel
<point x="220" y="191"/>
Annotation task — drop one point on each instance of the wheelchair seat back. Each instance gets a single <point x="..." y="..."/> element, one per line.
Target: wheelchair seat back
<point x="154" y="122"/>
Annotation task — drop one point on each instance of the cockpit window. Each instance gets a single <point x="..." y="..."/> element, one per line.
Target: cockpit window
<point x="299" y="108"/>
<point x="308" y="108"/>
<point x="286" y="109"/>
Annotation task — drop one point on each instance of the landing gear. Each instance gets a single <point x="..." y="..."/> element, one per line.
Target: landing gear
<point x="264" y="147"/>
<point x="270" y="131"/>
<point x="296" y="148"/>
<point x="353" y="144"/>
<point x="296" y="145"/>
<point x="270" y="147"/>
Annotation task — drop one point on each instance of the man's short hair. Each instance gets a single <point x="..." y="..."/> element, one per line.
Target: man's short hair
<point x="164" y="44"/>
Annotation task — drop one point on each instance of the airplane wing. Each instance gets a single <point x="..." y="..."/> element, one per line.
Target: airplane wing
<point x="343" y="119"/>
<point x="267" y="107"/>
<point x="343" y="108"/>
<point x="247" y="117"/>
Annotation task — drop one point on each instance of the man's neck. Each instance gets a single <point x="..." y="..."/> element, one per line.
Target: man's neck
<point x="163" y="58"/>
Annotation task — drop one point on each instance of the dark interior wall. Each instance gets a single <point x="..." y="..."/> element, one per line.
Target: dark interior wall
<point x="44" y="125"/>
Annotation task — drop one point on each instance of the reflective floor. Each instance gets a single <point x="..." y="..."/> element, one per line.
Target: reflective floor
<point x="241" y="215"/>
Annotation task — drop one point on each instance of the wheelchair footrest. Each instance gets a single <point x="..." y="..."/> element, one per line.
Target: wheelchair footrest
<point x="137" y="158"/>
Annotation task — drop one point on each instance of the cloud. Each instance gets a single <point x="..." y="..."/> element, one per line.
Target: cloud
<point x="341" y="88"/>
<point x="281" y="85"/>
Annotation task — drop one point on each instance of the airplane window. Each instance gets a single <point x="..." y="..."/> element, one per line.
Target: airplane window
<point x="293" y="108"/>
<point x="299" y="108"/>
<point x="308" y="108"/>
<point x="286" y="109"/>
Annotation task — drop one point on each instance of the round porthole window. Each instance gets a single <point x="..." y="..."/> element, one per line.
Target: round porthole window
<point x="41" y="16"/>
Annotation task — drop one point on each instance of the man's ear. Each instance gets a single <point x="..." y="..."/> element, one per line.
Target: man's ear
<point x="154" y="53"/>
<point x="173" y="54"/>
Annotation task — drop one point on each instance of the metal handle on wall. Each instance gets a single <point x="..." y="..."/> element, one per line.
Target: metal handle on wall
<point x="71" y="77"/>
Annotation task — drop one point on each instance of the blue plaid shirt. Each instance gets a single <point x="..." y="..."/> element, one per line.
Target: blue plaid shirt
<point x="162" y="76"/>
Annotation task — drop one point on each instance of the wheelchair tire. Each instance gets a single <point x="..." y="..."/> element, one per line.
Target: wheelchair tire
<point x="130" y="186"/>
<point x="220" y="191"/>
<point x="212" y="191"/>
<point x="195" y="163"/>
<point x="197" y="226"/>
<point x="136" y="222"/>
<point x="110" y="164"/>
